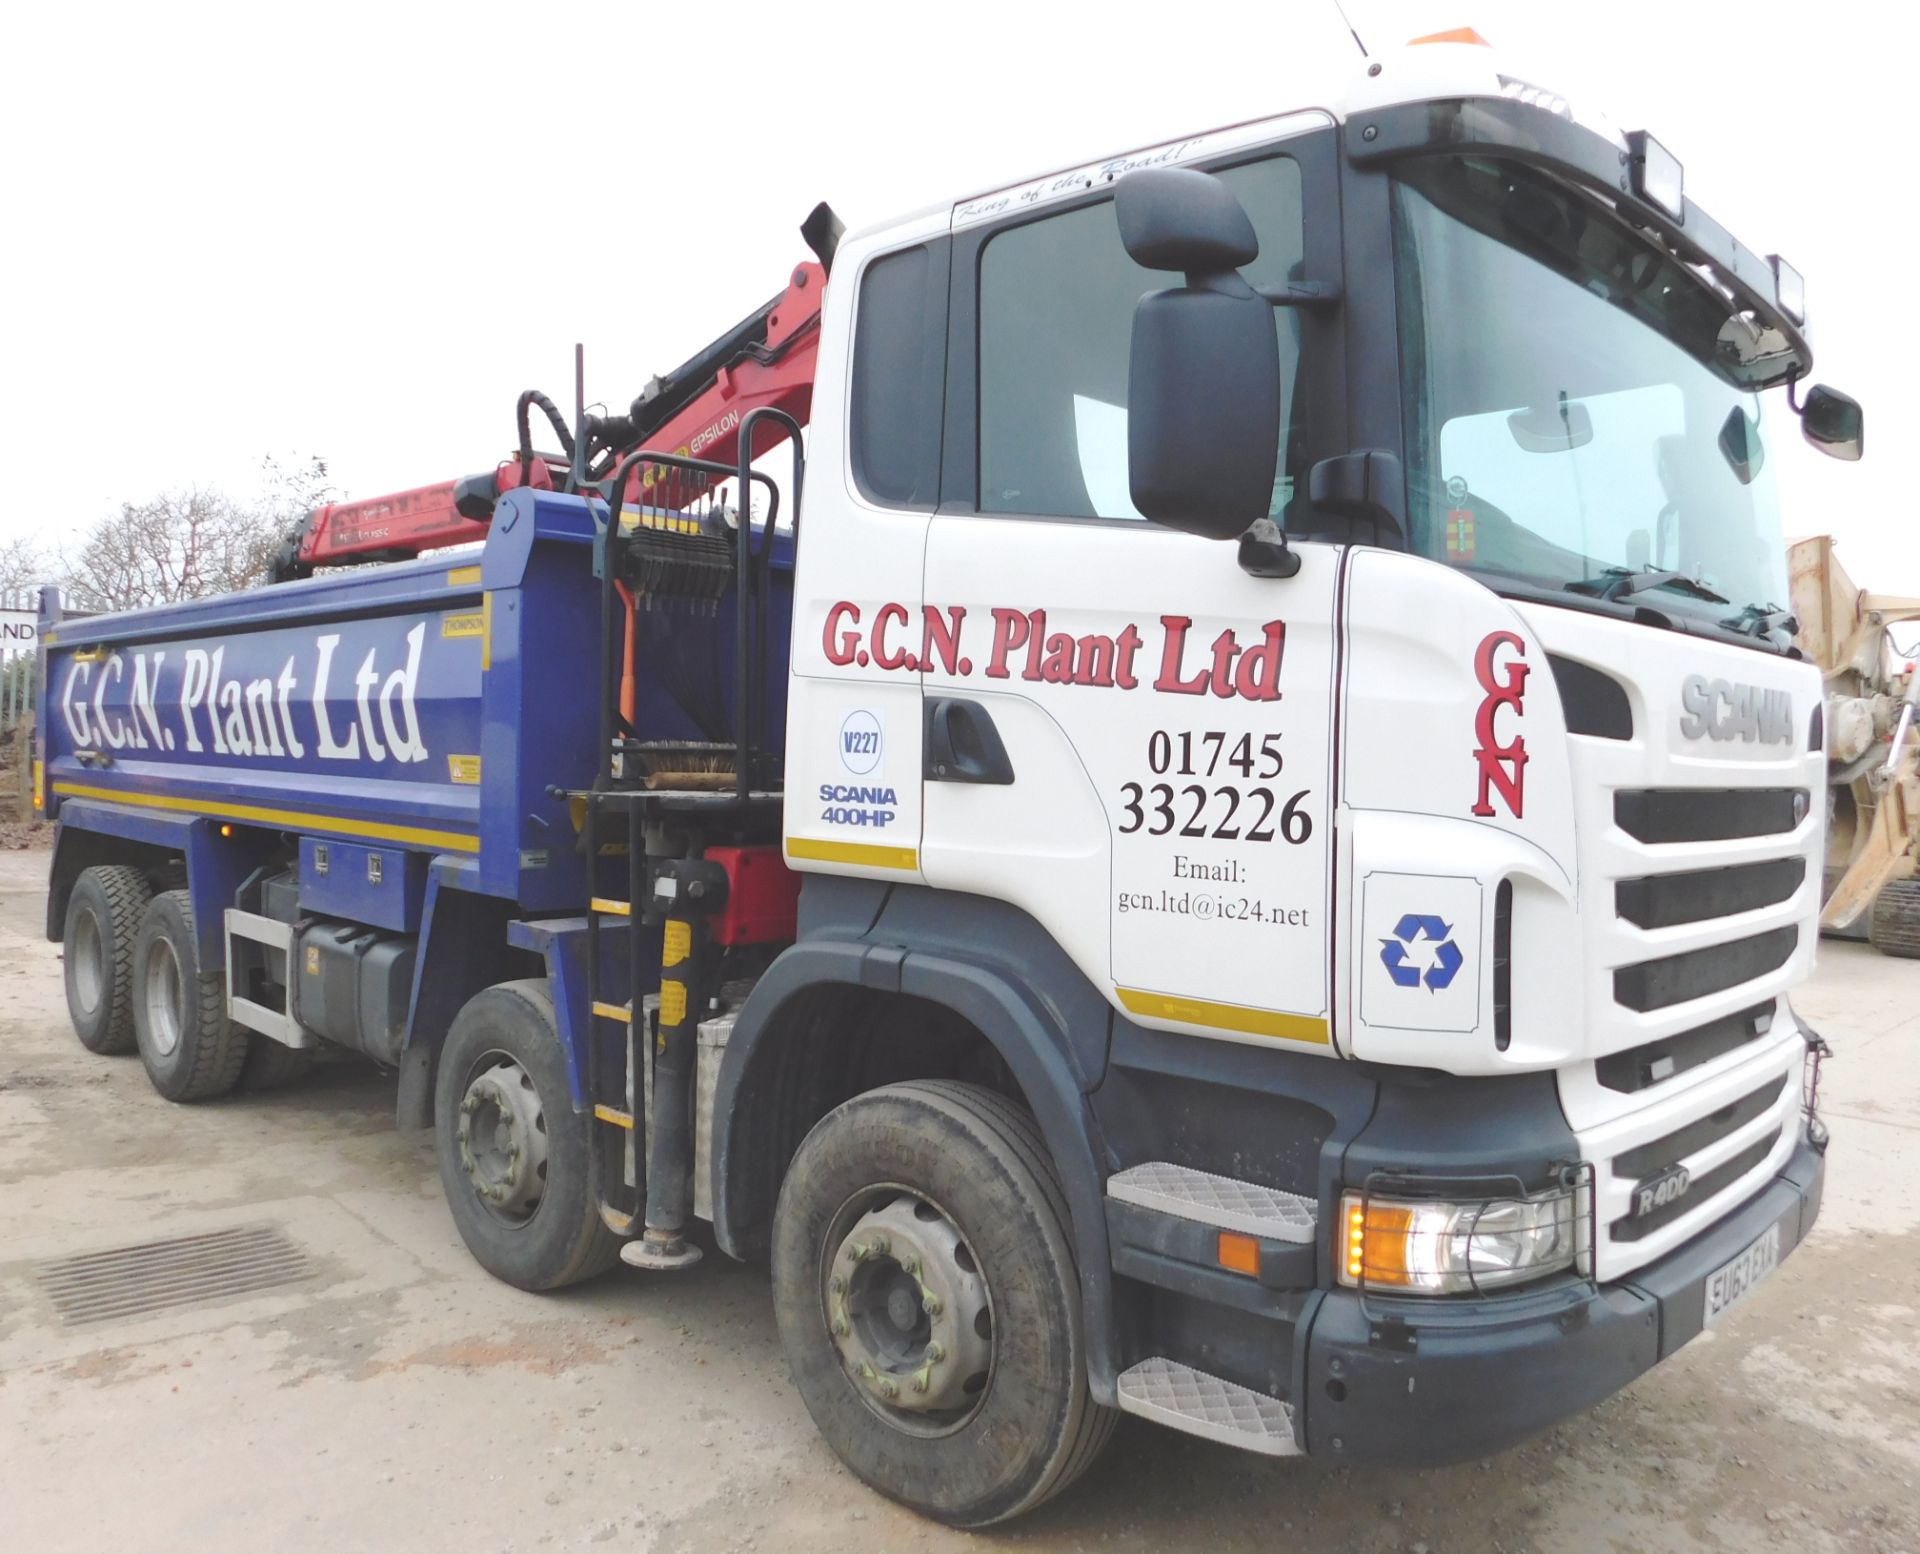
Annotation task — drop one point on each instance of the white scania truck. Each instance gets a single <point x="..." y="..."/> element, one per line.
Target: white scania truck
<point x="1298" y="823"/>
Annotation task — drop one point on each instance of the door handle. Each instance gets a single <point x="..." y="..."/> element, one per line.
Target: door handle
<point x="962" y="745"/>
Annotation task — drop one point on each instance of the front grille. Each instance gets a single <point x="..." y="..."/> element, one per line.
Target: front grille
<point x="1663" y="815"/>
<point x="1638" y="1068"/>
<point x="1674" y="979"/>
<point x="1670" y="1149"/>
<point x="1668" y="900"/>
<point x="1636" y="1227"/>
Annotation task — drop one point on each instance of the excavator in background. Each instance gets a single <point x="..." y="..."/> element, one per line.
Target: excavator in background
<point x="1873" y="763"/>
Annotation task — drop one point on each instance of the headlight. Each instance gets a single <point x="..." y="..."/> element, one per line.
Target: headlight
<point x="1423" y="1247"/>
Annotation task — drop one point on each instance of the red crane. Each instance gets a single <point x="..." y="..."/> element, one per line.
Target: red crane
<point x="765" y="359"/>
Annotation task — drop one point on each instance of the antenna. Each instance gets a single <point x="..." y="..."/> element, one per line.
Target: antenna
<point x="579" y="471"/>
<point x="1350" y="32"/>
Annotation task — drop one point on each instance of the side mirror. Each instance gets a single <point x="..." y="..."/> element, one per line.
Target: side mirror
<point x="1832" y="422"/>
<point x="1203" y="392"/>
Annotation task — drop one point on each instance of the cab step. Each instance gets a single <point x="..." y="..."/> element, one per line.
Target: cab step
<point x="1216" y="1200"/>
<point x="1186" y="1399"/>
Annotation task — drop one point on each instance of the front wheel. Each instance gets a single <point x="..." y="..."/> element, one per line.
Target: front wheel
<point x="929" y="1304"/>
<point x="516" y="1160"/>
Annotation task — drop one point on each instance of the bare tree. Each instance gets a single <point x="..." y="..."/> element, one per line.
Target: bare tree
<point x="290" y="489"/>
<point x="178" y="545"/>
<point x="192" y="543"/>
<point x="23" y="568"/>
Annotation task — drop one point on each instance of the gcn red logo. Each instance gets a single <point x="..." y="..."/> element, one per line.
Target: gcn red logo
<point x="1503" y="767"/>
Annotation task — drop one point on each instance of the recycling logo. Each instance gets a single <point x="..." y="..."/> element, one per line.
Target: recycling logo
<point x="1430" y="941"/>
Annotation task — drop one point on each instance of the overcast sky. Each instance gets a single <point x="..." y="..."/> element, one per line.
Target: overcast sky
<point x="361" y="231"/>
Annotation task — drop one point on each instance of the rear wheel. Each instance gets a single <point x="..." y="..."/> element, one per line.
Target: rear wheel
<point x="192" y="1051"/>
<point x="517" y="1161"/>
<point x="929" y="1304"/>
<point x="103" y="920"/>
<point x="1894" y="928"/>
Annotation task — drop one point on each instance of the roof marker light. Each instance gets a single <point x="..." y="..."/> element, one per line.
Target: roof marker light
<point x="1789" y="289"/>
<point x="1453" y="35"/>
<point x="1657" y="175"/>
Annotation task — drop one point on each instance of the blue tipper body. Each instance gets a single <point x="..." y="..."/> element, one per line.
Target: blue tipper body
<point x="427" y="718"/>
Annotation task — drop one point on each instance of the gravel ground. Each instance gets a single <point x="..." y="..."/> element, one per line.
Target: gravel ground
<point x="398" y="1398"/>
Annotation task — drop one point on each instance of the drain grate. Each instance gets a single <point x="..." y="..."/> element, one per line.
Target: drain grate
<point x="128" y="1281"/>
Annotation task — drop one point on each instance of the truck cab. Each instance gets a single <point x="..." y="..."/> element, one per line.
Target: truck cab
<point x="1269" y="887"/>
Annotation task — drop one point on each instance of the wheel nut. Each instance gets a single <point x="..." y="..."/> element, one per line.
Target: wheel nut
<point x="936" y="1352"/>
<point x="932" y="1305"/>
<point x="911" y="1265"/>
<point x="837" y="1284"/>
<point x="839" y="1325"/>
<point x="889" y="1388"/>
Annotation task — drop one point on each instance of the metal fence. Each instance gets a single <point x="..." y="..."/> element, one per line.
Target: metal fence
<point x="19" y="638"/>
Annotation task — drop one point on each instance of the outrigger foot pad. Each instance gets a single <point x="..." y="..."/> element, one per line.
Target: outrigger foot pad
<point x="661" y="1254"/>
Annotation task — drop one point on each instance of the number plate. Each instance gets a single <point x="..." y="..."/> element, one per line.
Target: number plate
<point x="1734" y="1281"/>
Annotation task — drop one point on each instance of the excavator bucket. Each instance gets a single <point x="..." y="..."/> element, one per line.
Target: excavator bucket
<point x="1873" y="839"/>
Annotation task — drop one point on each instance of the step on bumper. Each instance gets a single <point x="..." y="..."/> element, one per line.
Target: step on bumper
<point x="1219" y="1201"/>
<point x="1186" y="1399"/>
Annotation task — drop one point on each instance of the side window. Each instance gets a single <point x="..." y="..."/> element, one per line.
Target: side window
<point x="1056" y="322"/>
<point x="899" y="367"/>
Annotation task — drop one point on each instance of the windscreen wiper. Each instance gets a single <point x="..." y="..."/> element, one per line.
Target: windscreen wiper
<point x="1623" y="583"/>
<point x="1763" y="620"/>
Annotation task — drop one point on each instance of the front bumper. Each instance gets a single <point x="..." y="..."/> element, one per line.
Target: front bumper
<point x="1421" y="1382"/>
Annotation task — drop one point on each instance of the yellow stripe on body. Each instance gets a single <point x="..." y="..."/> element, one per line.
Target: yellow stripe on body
<point x="1226" y="1017"/>
<point x="869" y="855"/>
<point x="612" y="908"/>
<point x="292" y="819"/>
<point x="618" y="1119"/>
<point x="618" y="1012"/>
<point x="463" y="577"/>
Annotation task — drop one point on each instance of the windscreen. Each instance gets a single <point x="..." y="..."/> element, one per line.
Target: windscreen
<point x="1576" y="415"/>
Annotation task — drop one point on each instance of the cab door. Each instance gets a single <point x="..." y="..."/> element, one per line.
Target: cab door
<point x="1129" y="736"/>
<point x="854" y="723"/>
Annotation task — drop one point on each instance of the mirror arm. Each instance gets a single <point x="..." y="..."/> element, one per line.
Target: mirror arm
<point x="1302" y="294"/>
<point x="1264" y="551"/>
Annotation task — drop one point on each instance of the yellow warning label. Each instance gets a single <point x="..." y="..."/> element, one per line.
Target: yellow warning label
<point x="673" y="1002"/>
<point x="461" y="577"/>
<point x="469" y="624"/>
<point x="677" y="944"/>
<point x="313" y="960"/>
<point x="463" y="768"/>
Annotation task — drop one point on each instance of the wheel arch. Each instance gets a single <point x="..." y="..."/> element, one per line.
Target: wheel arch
<point x="765" y="1100"/>
<point x="465" y="948"/>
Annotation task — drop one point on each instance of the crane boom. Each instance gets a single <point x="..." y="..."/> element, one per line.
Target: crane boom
<point x="765" y="360"/>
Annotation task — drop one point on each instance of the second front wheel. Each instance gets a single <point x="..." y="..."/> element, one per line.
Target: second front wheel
<point x="516" y="1159"/>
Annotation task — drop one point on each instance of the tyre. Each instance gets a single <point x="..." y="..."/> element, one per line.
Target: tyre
<point x="518" y="1163"/>
<point x="929" y="1305"/>
<point x="103" y="920"/>
<point x="1895" y="926"/>
<point x="191" y="1049"/>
